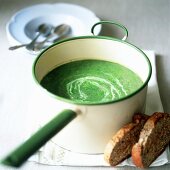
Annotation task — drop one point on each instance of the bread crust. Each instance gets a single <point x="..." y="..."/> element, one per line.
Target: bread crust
<point x="153" y="139"/>
<point x="119" y="147"/>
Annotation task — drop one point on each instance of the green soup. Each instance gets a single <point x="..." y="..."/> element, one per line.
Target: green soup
<point x="91" y="81"/>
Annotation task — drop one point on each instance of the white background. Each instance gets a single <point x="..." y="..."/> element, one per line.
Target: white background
<point x="148" y="23"/>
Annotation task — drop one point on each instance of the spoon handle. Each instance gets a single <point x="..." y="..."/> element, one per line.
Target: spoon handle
<point x="30" y="146"/>
<point x="40" y="45"/>
<point x="17" y="46"/>
<point x="31" y="44"/>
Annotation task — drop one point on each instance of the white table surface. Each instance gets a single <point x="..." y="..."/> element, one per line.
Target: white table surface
<point x="148" y="23"/>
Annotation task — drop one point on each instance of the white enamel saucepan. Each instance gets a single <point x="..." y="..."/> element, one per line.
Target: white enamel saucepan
<point x="90" y="126"/>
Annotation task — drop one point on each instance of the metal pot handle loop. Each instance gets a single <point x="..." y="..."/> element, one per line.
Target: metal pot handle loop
<point x="113" y="23"/>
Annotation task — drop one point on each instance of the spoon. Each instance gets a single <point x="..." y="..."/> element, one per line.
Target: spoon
<point x="61" y="31"/>
<point x="43" y="29"/>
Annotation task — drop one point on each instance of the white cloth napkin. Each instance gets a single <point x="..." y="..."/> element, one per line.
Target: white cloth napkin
<point x="51" y="154"/>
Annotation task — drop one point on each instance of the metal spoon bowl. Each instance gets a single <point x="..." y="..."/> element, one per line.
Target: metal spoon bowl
<point x="59" y="32"/>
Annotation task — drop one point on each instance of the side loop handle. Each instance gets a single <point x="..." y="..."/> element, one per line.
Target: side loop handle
<point x="113" y="23"/>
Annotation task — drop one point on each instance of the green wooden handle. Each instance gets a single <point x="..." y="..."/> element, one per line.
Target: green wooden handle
<point x="30" y="146"/>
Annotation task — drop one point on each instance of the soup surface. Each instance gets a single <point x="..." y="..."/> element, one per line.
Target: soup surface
<point x="91" y="81"/>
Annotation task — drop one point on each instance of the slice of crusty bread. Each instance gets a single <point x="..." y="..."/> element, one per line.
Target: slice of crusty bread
<point x="119" y="147"/>
<point x="154" y="138"/>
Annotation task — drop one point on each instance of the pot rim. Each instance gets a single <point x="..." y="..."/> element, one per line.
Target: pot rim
<point x="98" y="103"/>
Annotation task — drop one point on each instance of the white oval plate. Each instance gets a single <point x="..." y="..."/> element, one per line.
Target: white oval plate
<point x="22" y="26"/>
